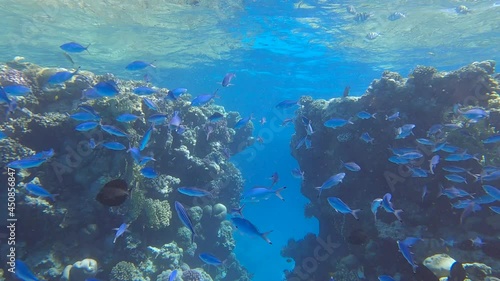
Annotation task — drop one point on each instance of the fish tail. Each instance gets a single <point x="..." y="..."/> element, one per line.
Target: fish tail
<point x="374" y="115"/>
<point x="277" y="192"/>
<point x="53" y="197"/>
<point x="355" y="213"/>
<point x="397" y="213"/>
<point x="264" y="236"/>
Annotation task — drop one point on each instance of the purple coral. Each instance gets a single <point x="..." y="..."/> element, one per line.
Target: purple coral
<point x="191" y="275"/>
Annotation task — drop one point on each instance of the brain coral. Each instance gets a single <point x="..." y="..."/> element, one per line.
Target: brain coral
<point x="157" y="213"/>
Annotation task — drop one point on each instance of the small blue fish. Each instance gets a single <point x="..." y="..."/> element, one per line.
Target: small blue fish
<point x="194" y="191"/>
<point x="492" y="191"/>
<point x="286" y="104"/>
<point x="157" y="119"/>
<point x="433" y="163"/>
<point x="146" y="138"/>
<point x="492" y="139"/>
<point x="331" y="182"/>
<point x="204" y="99"/>
<point x="453" y="192"/>
<point x="249" y="228"/>
<point x="393" y="117"/>
<point x="455" y="178"/>
<point x="175" y="122"/>
<point x="176" y="93"/>
<point x="2" y="135"/>
<point x="215" y="117"/>
<point x="150" y="104"/>
<point x="477" y="242"/>
<point x="366" y="138"/>
<point x="92" y="143"/>
<point x="114" y="145"/>
<point x="227" y="79"/>
<point x="73" y="47"/>
<point x="145" y="160"/>
<point x="412" y="155"/>
<point x="388" y="207"/>
<point x="418" y="172"/>
<point x="495" y="209"/>
<point x="351" y="166"/>
<point x="385" y="278"/>
<point x="61" y="77"/>
<point x="404" y="131"/>
<point x="258" y="192"/>
<point x="84" y="116"/>
<point x="450" y="148"/>
<point x="138" y="65"/>
<point x="337" y="123"/>
<point x="88" y="109"/>
<point x="425" y="142"/>
<point x="26" y="163"/>
<point x="87" y="126"/>
<point x="185" y="219"/>
<point x="406" y="252"/>
<point x="365" y="115"/>
<point x="107" y="89"/>
<point x="459" y="157"/>
<point x="243" y="122"/>
<point x="40" y="191"/>
<point x="149" y="173"/>
<point x="172" y="275"/>
<point x="17" y="90"/>
<point x="297" y="173"/>
<point x="144" y="91"/>
<point x="392" y="17"/>
<point x="136" y="154"/>
<point x="424" y="192"/>
<point x="120" y="230"/>
<point x="342" y="207"/>
<point x="210" y="259"/>
<point x="376" y="203"/>
<point x="475" y="114"/>
<point x="113" y="131"/>
<point x="23" y="272"/>
<point x="398" y="160"/>
<point x="493" y="176"/>
<point x="127" y="117"/>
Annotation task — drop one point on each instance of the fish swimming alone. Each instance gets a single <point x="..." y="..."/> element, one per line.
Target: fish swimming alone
<point x="249" y="228"/>
<point x="113" y="193"/>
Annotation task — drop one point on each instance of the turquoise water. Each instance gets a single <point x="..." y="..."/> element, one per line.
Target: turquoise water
<point x="278" y="49"/>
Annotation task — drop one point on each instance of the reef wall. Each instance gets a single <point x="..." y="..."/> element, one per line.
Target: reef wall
<point x="53" y="235"/>
<point x="347" y="249"/>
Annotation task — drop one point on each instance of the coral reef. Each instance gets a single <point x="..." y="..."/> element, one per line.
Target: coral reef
<point x="426" y="98"/>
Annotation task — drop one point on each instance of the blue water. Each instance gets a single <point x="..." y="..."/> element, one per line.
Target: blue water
<point x="277" y="54"/>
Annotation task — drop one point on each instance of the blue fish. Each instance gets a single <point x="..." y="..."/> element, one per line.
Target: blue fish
<point x="157" y="119"/>
<point x="376" y="204"/>
<point x="151" y="104"/>
<point x="388" y="207"/>
<point x="146" y="138"/>
<point x="243" y="122"/>
<point x="106" y="89"/>
<point x="433" y="163"/>
<point x="120" y="230"/>
<point x="475" y="114"/>
<point x="492" y="191"/>
<point x="175" y="122"/>
<point x="210" y="259"/>
<point x="297" y="173"/>
<point x="392" y="17"/>
<point x="342" y="207"/>
<point x="23" y="272"/>
<point x="393" y="117"/>
<point x="204" y="99"/>
<point x="145" y="160"/>
<point x="493" y="176"/>
<point x="366" y="138"/>
<point x="455" y="178"/>
<point x="412" y="155"/>
<point x="227" y="79"/>
<point x="263" y="192"/>
<point x="40" y="191"/>
<point x="331" y="182"/>
<point x="91" y="94"/>
<point x="425" y="142"/>
<point x="136" y="154"/>
<point x="194" y="191"/>
<point x="406" y="252"/>
<point x="365" y="115"/>
<point x="495" y="209"/>
<point x="149" y="173"/>
<point x="114" y="145"/>
<point x="492" y="139"/>
<point x="459" y="157"/>
<point x="450" y="148"/>
<point x="127" y="117"/>
<point x="92" y="143"/>
<point x="17" y="90"/>
<point x="26" y="163"/>
<point x="215" y="117"/>
<point x="398" y="160"/>
<point x="84" y="116"/>
<point x="185" y="219"/>
<point x="176" y="93"/>
<point x="2" y="135"/>
<point x="73" y="47"/>
<point x="286" y="104"/>
<point x="88" y="109"/>
<point x="249" y="228"/>
<point x="337" y="123"/>
<point x="87" y="126"/>
<point x="351" y="166"/>
<point x="4" y="97"/>
<point x="385" y="278"/>
<point x="144" y="91"/>
<point x="113" y="131"/>
<point x="172" y="275"/>
<point x="61" y="77"/>
<point x="138" y="65"/>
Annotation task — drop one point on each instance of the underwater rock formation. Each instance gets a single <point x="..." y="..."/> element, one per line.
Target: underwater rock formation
<point x="80" y="270"/>
<point x="77" y="171"/>
<point x="426" y="98"/>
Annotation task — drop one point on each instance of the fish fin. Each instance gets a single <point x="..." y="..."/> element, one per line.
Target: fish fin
<point x="397" y="213"/>
<point x="374" y="115"/>
<point x="355" y="213"/>
<point x="277" y="192"/>
<point x="264" y="236"/>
